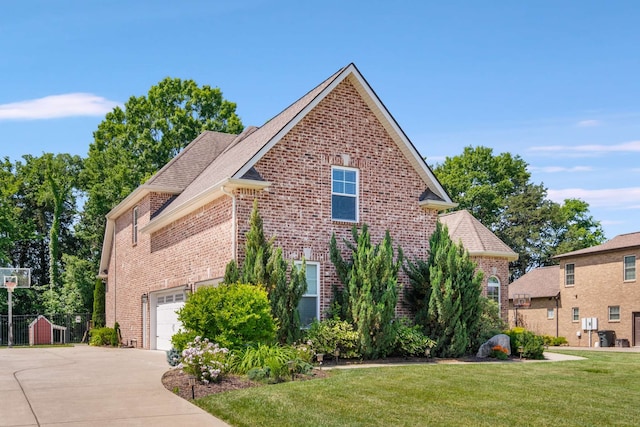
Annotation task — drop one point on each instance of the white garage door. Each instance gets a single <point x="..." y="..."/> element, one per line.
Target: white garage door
<point x="167" y="322"/>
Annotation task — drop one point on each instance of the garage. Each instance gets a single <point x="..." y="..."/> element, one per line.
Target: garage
<point x="166" y="317"/>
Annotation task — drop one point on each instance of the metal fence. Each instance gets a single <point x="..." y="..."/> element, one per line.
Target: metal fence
<point x="34" y="329"/>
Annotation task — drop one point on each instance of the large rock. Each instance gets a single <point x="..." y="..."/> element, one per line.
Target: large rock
<point x="501" y="339"/>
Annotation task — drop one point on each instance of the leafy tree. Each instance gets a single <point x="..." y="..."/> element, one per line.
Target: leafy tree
<point x="451" y="310"/>
<point x="371" y="290"/>
<point x="79" y="279"/>
<point x="134" y="142"/>
<point x="9" y="211"/>
<point x="498" y="191"/>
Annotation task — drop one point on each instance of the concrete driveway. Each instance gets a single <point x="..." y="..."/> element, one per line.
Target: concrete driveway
<point x="89" y="386"/>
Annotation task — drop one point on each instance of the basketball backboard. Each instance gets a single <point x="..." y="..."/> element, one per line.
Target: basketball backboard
<point x="20" y="276"/>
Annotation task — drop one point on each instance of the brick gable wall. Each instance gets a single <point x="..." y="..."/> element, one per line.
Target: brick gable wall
<point x="340" y="131"/>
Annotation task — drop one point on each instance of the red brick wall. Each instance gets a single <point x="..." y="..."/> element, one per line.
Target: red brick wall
<point x="297" y="207"/>
<point x="501" y="266"/>
<point x="195" y="248"/>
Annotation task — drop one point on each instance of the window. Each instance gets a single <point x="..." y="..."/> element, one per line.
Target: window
<point x="134" y="230"/>
<point x="550" y="313"/>
<point x="630" y="268"/>
<point x="569" y="274"/>
<point x="614" y="313"/>
<point x="344" y="194"/>
<point x="309" y="305"/>
<point x="493" y="289"/>
<point x="575" y="314"/>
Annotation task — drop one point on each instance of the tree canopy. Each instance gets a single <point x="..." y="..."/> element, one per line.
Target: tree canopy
<point x="134" y="142"/>
<point x="498" y="191"/>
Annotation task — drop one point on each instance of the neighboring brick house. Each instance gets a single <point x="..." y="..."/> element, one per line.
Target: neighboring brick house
<point x="597" y="282"/>
<point x="490" y="253"/>
<point x="333" y="159"/>
<point x="541" y="289"/>
<point x="601" y="282"/>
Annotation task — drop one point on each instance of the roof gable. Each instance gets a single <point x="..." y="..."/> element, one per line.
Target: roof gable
<point x="243" y="154"/>
<point x="477" y="239"/>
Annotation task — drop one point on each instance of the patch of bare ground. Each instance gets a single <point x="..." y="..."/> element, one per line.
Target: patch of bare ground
<point x="177" y="381"/>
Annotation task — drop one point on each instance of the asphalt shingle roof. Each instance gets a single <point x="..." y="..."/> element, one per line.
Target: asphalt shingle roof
<point x="475" y="237"/>
<point x="538" y="283"/>
<point x="621" y="241"/>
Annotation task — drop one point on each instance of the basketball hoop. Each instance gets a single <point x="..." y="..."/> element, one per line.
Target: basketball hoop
<point x="10" y="282"/>
<point x="522" y="301"/>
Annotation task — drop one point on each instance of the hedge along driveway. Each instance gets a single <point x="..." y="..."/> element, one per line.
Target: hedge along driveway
<point x="603" y="389"/>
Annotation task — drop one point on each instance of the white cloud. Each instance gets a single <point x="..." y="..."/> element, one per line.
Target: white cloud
<point x="619" y="198"/>
<point x="589" y="123"/>
<point x="587" y="150"/>
<point x="57" y="106"/>
<point x="555" y="169"/>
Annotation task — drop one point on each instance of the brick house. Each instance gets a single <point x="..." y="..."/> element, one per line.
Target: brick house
<point x="333" y="159"/>
<point x="541" y="286"/>
<point x="490" y="253"/>
<point x="601" y="282"/>
<point x="597" y="282"/>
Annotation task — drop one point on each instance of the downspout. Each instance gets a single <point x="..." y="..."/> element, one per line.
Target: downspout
<point x="234" y="225"/>
<point x="557" y="313"/>
<point x="115" y="275"/>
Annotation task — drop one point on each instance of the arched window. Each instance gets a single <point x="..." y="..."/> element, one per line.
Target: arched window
<point x="493" y="289"/>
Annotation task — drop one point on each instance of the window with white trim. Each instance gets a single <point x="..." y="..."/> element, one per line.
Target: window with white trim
<point x="344" y="194"/>
<point x="575" y="314"/>
<point x="614" y="313"/>
<point x="134" y="228"/>
<point x="309" y="306"/>
<point x="550" y="313"/>
<point x="493" y="289"/>
<point x="569" y="274"/>
<point x="629" y="268"/>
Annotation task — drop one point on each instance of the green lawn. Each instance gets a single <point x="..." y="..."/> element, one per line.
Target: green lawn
<point x="601" y="391"/>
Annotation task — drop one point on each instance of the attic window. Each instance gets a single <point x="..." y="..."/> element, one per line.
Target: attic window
<point x="344" y="194"/>
<point x="134" y="228"/>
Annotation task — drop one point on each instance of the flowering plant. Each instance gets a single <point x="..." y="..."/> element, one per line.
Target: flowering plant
<point x="499" y="352"/>
<point x="205" y="360"/>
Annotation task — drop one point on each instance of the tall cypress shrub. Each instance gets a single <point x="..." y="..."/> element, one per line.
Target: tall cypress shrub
<point x="371" y="290"/>
<point x="98" y="316"/>
<point x="453" y="308"/>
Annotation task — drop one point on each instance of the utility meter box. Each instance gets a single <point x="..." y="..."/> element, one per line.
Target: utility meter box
<point x="590" y="323"/>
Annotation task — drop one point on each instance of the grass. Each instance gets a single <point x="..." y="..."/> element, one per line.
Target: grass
<point x="603" y="390"/>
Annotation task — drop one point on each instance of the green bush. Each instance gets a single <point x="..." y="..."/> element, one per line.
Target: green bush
<point x="554" y="341"/>
<point x="104" y="336"/>
<point x="490" y="323"/>
<point x="181" y="339"/>
<point x="528" y="344"/>
<point x="230" y="315"/>
<point x="410" y="341"/>
<point x="273" y="363"/>
<point x="328" y="335"/>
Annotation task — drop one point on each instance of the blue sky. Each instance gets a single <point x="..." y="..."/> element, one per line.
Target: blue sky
<point x="555" y="82"/>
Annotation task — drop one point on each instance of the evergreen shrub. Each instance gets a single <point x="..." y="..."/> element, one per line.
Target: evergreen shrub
<point x="104" y="336"/>
<point x="331" y="334"/>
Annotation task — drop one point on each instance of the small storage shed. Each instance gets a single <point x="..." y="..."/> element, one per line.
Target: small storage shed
<point x="41" y="331"/>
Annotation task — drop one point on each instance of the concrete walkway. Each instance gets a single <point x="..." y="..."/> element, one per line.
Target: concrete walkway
<point x="90" y="386"/>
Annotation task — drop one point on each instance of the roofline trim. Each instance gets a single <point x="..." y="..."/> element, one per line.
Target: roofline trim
<point x="212" y="193"/>
<point x="438" y="205"/>
<point x="510" y="256"/>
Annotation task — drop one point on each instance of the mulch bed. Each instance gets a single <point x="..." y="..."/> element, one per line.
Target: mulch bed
<point x="177" y="381"/>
